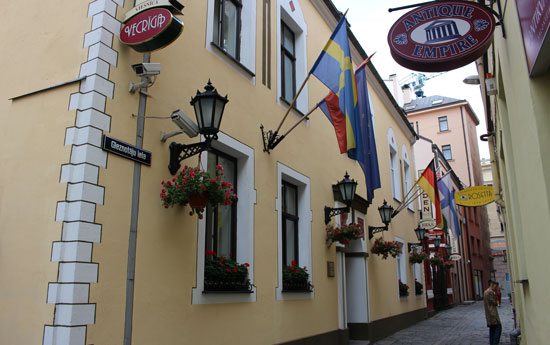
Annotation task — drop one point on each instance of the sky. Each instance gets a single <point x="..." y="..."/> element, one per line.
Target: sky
<point x="370" y="22"/>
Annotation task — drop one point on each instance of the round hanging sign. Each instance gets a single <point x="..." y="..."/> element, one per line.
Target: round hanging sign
<point x="151" y="30"/>
<point x="441" y="36"/>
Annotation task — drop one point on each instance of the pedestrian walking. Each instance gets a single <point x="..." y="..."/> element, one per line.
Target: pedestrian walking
<point x="491" y="313"/>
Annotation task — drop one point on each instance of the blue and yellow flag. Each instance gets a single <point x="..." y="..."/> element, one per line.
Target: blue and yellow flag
<point x="334" y="69"/>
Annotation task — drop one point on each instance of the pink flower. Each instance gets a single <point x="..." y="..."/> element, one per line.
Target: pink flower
<point x="219" y="167"/>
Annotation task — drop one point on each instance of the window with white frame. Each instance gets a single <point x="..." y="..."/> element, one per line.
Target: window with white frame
<point x="417" y="278"/>
<point x="294" y="226"/>
<point x="443" y="124"/>
<point x="395" y="174"/>
<point x="228" y="229"/>
<point x="401" y="262"/>
<point x="292" y="55"/>
<point x="446" y="149"/>
<point x="407" y="179"/>
<point x="231" y="33"/>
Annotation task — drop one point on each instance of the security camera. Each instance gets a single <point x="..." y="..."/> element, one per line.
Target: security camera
<point x="184" y="123"/>
<point x="146" y="68"/>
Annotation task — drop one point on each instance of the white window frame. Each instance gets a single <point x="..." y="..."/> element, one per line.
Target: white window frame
<point x="407" y="180"/>
<point x="305" y="215"/>
<point x="247" y="40"/>
<point x="395" y="174"/>
<point x="245" y="223"/>
<point x="401" y="265"/>
<point x="296" y="22"/>
<point x="417" y="277"/>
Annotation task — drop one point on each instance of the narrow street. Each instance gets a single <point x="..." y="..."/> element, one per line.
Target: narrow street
<point x="461" y="325"/>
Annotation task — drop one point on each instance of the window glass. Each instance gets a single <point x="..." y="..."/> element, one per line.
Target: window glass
<point x="227" y="17"/>
<point x="443" y="125"/>
<point x="447" y="152"/>
<point x="288" y="67"/>
<point x="290" y="224"/>
<point x="221" y="219"/>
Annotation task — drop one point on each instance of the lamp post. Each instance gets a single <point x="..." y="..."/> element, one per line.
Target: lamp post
<point x="209" y="106"/>
<point x="347" y="188"/>
<point x="437" y="242"/>
<point x="386" y="214"/>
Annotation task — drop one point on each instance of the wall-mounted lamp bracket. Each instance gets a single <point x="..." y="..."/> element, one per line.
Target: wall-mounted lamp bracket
<point x="332" y="212"/>
<point x="270" y="139"/>
<point x="376" y="229"/>
<point x="179" y="152"/>
<point x="411" y="246"/>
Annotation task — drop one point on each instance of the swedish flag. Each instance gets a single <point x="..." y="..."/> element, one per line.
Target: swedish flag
<point x="334" y="69"/>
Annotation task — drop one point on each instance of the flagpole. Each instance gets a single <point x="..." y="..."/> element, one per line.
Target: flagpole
<point x="292" y="104"/>
<point x="301" y="120"/>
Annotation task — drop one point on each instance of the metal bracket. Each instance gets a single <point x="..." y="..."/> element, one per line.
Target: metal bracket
<point x="332" y="212"/>
<point x="376" y="229"/>
<point x="179" y="152"/>
<point x="410" y="246"/>
<point x="270" y="139"/>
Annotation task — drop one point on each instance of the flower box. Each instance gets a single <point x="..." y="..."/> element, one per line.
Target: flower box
<point x="225" y="274"/>
<point x="344" y="234"/>
<point x="296" y="279"/>
<point x="403" y="289"/>
<point x="418" y="288"/>
<point x="417" y="258"/>
<point x="196" y="187"/>
<point x="436" y="260"/>
<point x="386" y="248"/>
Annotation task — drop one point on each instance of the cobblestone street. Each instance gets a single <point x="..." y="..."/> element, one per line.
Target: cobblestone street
<point x="461" y="325"/>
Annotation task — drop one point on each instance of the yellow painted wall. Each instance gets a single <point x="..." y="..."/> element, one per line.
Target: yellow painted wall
<point x="37" y="53"/>
<point x="33" y="142"/>
<point x="523" y="149"/>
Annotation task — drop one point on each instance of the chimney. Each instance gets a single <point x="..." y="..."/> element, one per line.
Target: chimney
<point x="396" y="90"/>
<point x="407" y="94"/>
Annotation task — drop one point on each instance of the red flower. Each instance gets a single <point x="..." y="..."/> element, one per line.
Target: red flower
<point x="219" y="167"/>
<point x="221" y="263"/>
<point x="228" y="270"/>
<point x="246" y="264"/>
<point x="293" y="263"/>
<point x="235" y="269"/>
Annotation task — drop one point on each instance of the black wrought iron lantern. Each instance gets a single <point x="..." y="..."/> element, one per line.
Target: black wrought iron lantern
<point x="449" y="250"/>
<point x="437" y="241"/>
<point x="347" y="188"/>
<point x="420" y="233"/>
<point x="386" y="214"/>
<point x="209" y="106"/>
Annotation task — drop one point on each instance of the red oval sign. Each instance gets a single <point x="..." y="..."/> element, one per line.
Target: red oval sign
<point x="441" y="36"/>
<point x="150" y="30"/>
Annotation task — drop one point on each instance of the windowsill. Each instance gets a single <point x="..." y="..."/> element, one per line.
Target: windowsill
<point x="396" y="200"/>
<point x="443" y="132"/>
<point x="293" y="108"/>
<point x="224" y="52"/>
<point x="296" y="291"/>
<point x="403" y="298"/>
<point x="449" y="160"/>
<point x="411" y="211"/>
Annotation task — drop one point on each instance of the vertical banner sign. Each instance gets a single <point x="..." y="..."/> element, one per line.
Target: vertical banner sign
<point x="441" y="36"/>
<point x="534" y="18"/>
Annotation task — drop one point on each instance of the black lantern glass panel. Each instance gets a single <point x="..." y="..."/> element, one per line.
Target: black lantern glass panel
<point x="437" y="241"/>
<point x="420" y="232"/>
<point x="209" y="106"/>
<point x="347" y="189"/>
<point x="386" y="212"/>
<point x="449" y="249"/>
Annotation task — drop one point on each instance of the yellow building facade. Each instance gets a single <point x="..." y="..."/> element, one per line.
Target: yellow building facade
<point x="515" y="83"/>
<point x="89" y="255"/>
